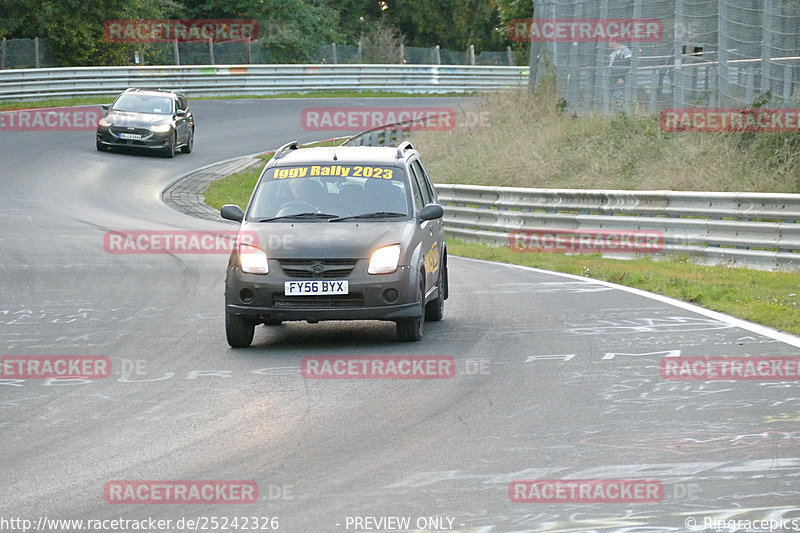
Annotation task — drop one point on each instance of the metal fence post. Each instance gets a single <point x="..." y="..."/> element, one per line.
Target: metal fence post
<point x="603" y="71"/>
<point x="3" y="52"/>
<point x="360" y="52"/>
<point x="248" y="50"/>
<point x="510" y="55"/>
<point x="766" y="46"/>
<point x="437" y="54"/>
<point x="471" y="52"/>
<point x="211" y="52"/>
<point x="723" y="71"/>
<point x="36" y="52"/>
<point x="787" y="84"/>
<point x="402" y="53"/>
<point x="678" y="97"/>
<point x="333" y="54"/>
<point x="750" y="85"/>
<point x="175" y="52"/>
<point x="533" y="60"/>
<point x="633" y="79"/>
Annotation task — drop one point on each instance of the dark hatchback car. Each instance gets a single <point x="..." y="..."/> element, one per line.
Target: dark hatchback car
<point x="147" y="119"/>
<point x="344" y="233"/>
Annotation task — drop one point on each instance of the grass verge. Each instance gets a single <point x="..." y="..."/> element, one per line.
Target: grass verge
<point x="767" y="298"/>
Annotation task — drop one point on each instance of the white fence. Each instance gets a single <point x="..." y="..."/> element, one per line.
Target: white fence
<point x="749" y="229"/>
<point x="257" y="79"/>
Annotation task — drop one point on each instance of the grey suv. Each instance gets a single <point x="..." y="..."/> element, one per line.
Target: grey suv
<point x="338" y="233"/>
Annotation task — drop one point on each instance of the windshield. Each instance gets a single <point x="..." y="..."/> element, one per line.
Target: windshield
<point x="326" y="192"/>
<point x="142" y="103"/>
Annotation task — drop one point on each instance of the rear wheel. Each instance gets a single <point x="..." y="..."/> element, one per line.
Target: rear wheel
<point x="410" y="329"/>
<point x="239" y="331"/>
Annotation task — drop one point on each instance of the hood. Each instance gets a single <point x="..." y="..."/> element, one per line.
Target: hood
<point x="135" y="120"/>
<point x="328" y="240"/>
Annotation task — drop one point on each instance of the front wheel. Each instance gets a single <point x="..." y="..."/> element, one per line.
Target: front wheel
<point x="434" y="311"/>
<point x="187" y="148"/>
<point x="239" y="331"/>
<point x="410" y="329"/>
<point x="169" y="151"/>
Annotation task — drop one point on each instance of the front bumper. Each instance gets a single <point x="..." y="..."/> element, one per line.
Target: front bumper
<point x="370" y="297"/>
<point x="149" y="140"/>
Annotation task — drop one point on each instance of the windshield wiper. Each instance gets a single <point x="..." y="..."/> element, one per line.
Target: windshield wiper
<point x="309" y="214"/>
<point x="376" y="214"/>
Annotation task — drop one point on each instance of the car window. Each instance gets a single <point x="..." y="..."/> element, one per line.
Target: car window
<point x="416" y="193"/>
<point x="143" y="103"/>
<point x="425" y="180"/>
<point x="338" y="190"/>
<point x="416" y="172"/>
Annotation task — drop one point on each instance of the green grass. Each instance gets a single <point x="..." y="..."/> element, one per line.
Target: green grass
<point x="768" y="298"/>
<point x="98" y="100"/>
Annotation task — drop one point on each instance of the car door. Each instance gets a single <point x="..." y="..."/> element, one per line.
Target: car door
<point x="429" y="229"/>
<point x="181" y="121"/>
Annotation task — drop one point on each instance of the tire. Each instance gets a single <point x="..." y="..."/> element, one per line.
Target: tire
<point x="101" y="147"/>
<point x="434" y="311"/>
<point x="410" y="329"/>
<point x="169" y="151"/>
<point x="187" y="148"/>
<point x="239" y="331"/>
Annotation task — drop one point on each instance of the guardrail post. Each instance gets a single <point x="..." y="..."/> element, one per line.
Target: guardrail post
<point x="471" y="52"/>
<point x="36" y="51"/>
<point x="211" y="52"/>
<point x="437" y="54"/>
<point x="175" y="52"/>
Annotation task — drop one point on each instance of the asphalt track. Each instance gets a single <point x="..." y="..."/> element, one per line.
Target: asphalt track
<point x="557" y="377"/>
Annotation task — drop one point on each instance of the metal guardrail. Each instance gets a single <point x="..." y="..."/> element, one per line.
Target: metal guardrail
<point x="761" y="230"/>
<point x="222" y="80"/>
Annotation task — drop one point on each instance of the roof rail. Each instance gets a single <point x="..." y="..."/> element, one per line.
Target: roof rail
<point x="403" y="146"/>
<point x="288" y="146"/>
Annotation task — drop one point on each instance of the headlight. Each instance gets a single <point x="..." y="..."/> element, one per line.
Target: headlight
<point x="253" y="260"/>
<point x="103" y="123"/>
<point x="384" y="260"/>
<point x="160" y="128"/>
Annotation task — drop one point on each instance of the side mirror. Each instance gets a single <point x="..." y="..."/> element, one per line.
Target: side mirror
<point x="232" y="212"/>
<point x="431" y="212"/>
<point x="106" y="107"/>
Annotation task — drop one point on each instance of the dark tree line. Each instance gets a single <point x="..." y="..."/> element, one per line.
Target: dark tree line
<point x="74" y="28"/>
